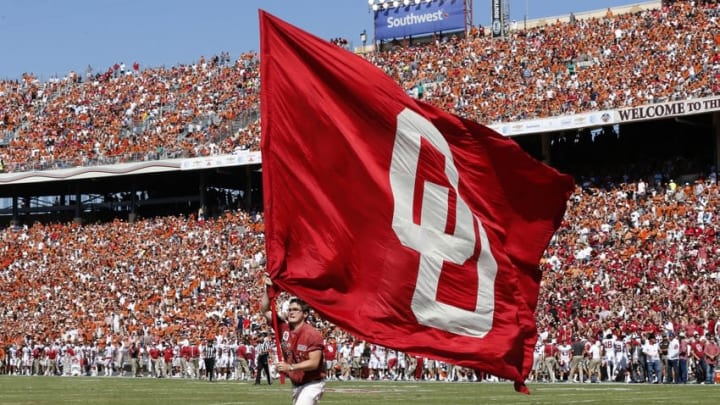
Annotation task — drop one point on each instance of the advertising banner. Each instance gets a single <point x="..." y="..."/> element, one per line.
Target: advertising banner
<point x="420" y="19"/>
<point x="497" y="22"/>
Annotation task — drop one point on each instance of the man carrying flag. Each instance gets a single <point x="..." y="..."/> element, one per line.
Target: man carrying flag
<point x="302" y="349"/>
<point x="386" y="212"/>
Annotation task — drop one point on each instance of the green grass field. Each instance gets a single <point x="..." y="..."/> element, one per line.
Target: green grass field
<point x="126" y="391"/>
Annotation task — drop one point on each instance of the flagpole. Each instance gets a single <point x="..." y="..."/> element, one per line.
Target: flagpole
<point x="278" y="341"/>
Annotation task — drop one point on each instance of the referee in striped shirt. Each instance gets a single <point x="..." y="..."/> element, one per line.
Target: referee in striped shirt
<point x="263" y="350"/>
<point x="210" y="359"/>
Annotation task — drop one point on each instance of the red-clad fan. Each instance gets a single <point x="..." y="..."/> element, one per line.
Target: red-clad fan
<point x="168" y="360"/>
<point x="551" y="359"/>
<point x="195" y="359"/>
<point x="242" y="369"/>
<point x="185" y="360"/>
<point x="330" y="354"/>
<point x="155" y="367"/>
<point x="250" y="357"/>
<point x="51" y="352"/>
<point x="697" y="347"/>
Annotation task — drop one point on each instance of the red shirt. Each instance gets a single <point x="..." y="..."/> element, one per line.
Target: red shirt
<point x="698" y="349"/>
<point x="683" y="348"/>
<point x="711" y="353"/>
<point x="330" y="351"/>
<point x="550" y="350"/>
<point x="185" y="352"/>
<point x="711" y="325"/>
<point x="168" y="354"/>
<point x="297" y="346"/>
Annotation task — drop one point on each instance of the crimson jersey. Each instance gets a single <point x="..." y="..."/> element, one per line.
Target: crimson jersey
<point x="185" y="352"/>
<point x="698" y="349"/>
<point x="296" y="347"/>
<point x="550" y="350"/>
<point x="330" y="351"/>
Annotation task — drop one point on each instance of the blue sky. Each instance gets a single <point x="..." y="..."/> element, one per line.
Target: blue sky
<point x="52" y="37"/>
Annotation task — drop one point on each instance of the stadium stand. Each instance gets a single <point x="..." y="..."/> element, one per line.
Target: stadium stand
<point x="636" y="256"/>
<point x="598" y="63"/>
<point x="206" y="108"/>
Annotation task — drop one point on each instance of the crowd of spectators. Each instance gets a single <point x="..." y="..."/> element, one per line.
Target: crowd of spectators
<point x="589" y="64"/>
<point x="168" y="276"/>
<point x="637" y="257"/>
<point x="633" y="259"/>
<point x="341" y="42"/>
<point x="203" y="108"/>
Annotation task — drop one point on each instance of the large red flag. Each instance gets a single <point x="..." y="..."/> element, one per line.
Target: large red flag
<point x="403" y="224"/>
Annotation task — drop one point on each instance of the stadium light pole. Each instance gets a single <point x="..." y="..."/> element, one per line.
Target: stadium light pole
<point x="363" y="38"/>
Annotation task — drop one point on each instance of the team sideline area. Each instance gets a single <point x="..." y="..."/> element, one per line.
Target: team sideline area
<point x="125" y="391"/>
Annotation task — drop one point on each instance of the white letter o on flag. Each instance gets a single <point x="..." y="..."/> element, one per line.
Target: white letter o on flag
<point x="429" y="238"/>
